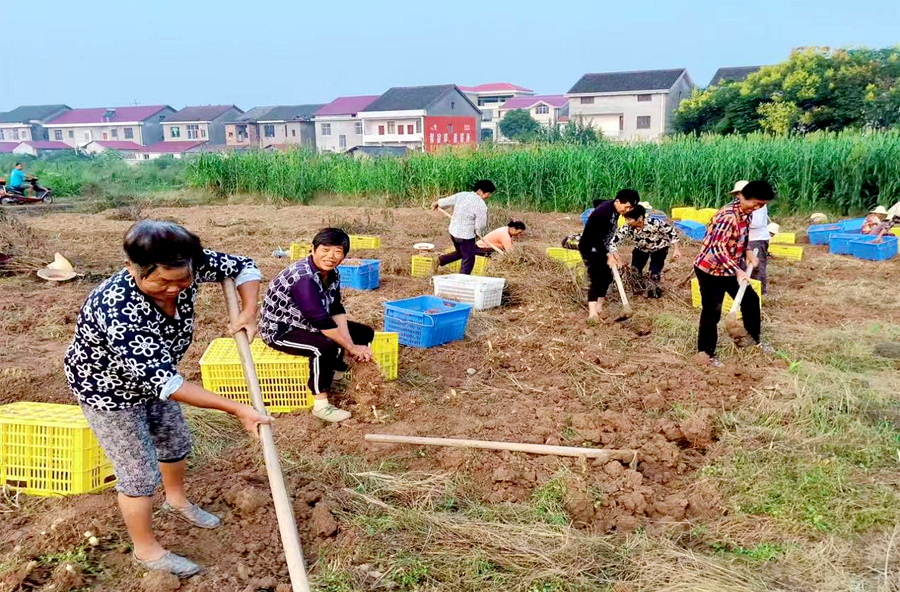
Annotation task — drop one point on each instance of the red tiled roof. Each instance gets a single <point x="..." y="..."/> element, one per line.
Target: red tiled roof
<point x="95" y="115"/>
<point x="529" y="102"/>
<point x="48" y="145"/>
<point x="118" y="144"/>
<point x="494" y="87"/>
<point x="171" y="147"/>
<point x="7" y="147"/>
<point x="347" y="105"/>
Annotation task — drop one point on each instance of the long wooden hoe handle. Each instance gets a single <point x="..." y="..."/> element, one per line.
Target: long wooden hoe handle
<point x="618" y="278"/>
<point x="740" y="294"/>
<point x="290" y="540"/>
<point x="626" y="456"/>
<point x="491" y="245"/>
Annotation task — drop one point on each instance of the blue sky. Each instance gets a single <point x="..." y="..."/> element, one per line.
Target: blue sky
<point x="90" y="53"/>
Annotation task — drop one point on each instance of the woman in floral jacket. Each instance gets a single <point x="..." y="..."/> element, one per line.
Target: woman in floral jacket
<point x="122" y="366"/>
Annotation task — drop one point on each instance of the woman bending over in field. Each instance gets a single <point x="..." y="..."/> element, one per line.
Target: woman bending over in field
<point x="133" y="330"/>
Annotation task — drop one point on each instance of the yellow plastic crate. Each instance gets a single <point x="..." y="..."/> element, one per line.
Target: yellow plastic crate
<point x="386" y="348"/>
<point x="48" y="449"/>
<point x="480" y="264"/>
<point x="358" y="242"/>
<point x="703" y="216"/>
<point x="299" y="251"/>
<point x="792" y="252"/>
<point x="421" y="266"/>
<point x="621" y="222"/>
<point x="895" y="231"/>
<point x="282" y="377"/>
<point x="784" y="238"/>
<point x="570" y="257"/>
<point x="728" y="301"/>
<point x="683" y="213"/>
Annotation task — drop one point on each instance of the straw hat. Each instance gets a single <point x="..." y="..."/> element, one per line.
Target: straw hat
<point x="738" y="187"/>
<point x="879" y="210"/>
<point x="774" y="227"/>
<point x="58" y="271"/>
<point x="818" y="218"/>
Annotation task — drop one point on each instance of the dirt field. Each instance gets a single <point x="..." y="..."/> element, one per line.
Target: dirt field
<point x="711" y="444"/>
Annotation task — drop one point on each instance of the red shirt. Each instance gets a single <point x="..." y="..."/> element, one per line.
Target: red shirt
<point x="725" y="241"/>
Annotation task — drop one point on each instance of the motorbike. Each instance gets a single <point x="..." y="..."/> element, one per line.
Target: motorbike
<point x="39" y="194"/>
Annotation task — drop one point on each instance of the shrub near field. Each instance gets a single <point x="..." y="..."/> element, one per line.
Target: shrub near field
<point x="845" y="172"/>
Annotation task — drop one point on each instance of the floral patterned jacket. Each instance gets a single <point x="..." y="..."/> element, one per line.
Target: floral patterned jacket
<point x="126" y="349"/>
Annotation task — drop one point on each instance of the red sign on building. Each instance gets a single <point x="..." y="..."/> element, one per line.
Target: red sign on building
<point x="449" y="131"/>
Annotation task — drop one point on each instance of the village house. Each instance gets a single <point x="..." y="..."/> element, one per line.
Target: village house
<point x="26" y="122"/>
<point x="490" y="98"/>
<point x="40" y="147"/>
<point x="548" y="110"/>
<point x="421" y="118"/>
<point x="273" y="127"/>
<point x="79" y="127"/>
<point x="629" y="105"/>
<point x="338" y="126"/>
<point x="125" y="148"/>
<point x="205" y="123"/>
<point x="732" y="74"/>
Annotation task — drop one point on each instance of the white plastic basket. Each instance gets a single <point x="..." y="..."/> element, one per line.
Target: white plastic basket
<point x="481" y="292"/>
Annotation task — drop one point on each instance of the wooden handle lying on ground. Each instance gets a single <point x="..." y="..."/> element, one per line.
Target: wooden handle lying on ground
<point x="625" y="456"/>
<point x="618" y="278"/>
<point x="740" y="294"/>
<point x="449" y="215"/>
<point x="287" y="526"/>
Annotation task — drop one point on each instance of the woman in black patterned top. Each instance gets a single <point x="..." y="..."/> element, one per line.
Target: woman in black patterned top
<point x="122" y="367"/>
<point x="652" y="238"/>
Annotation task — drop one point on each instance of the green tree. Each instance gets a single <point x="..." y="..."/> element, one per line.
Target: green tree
<point x="573" y="132"/>
<point x="519" y="125"/>
<point x="816" y="88"/>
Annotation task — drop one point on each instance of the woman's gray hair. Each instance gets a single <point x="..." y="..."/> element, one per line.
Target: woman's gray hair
<point x="159" y="243"/>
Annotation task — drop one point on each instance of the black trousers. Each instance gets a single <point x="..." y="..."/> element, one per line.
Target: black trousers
<point x="657" y="261"/>
<point x="712" y="291"/>
<point x="325" y="355"/>
<point x="464" y="249"/>
<point x="599" y="276"/>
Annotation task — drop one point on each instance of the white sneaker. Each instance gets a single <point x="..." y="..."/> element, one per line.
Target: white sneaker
<point x="331" y="413"/>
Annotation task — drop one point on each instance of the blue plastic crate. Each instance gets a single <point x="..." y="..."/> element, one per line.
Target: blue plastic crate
<point x="426" y="321"/>
<point x="839" y="243"/>
<point x="691" y="229"/>
<point x="852" y="225"/>
<point x="585" y="215"/>
<point x="820" y="234"/>
<point x="872" y="251"/>
<point x="364" y="276"/>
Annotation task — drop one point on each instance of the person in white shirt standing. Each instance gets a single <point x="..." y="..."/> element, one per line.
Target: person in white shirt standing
<point x="468" y="222"/>
<point x="758" y="239"/>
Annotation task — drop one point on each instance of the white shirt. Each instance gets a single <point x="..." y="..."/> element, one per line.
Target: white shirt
<point x="469" y="214"/>
<point x="759" y="225"/>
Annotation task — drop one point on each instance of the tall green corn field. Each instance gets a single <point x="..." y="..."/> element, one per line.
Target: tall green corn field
<point x="842" y="172"/>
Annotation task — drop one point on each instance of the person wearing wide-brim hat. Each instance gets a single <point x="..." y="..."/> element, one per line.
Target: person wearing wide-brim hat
<point x="872" y="223"/>
<point x="880" y="221"/>
<point x="131" y="333"/>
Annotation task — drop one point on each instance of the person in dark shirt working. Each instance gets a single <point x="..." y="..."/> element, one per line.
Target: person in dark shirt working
<point x="303" y="315"/>
<point x="594" y="247"/>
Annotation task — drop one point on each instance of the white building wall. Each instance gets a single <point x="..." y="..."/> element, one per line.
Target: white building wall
<point x="605" y="111"/>
<point x="77" y="136"/>
<point x="339" y="126"/>
<point x="372" y="137"/>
